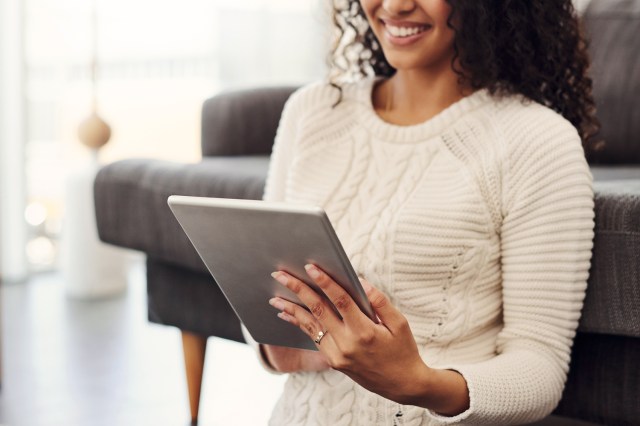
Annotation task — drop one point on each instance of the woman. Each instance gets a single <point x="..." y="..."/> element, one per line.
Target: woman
<point x="456" y="180"/>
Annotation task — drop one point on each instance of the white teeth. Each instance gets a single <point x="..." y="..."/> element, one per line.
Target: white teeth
<point x="404" y="31"/>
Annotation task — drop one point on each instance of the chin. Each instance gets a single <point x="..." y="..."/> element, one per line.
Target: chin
<point x="406" y="64"/>
<point x="404" y="61"/>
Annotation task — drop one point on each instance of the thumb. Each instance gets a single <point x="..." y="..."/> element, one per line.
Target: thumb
<point x="388" y="314"/>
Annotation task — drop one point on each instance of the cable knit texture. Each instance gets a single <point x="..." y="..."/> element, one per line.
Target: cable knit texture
<point x="478" y="224"/>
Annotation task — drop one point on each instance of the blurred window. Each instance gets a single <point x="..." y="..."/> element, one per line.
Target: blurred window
<point x="157" y="62"/>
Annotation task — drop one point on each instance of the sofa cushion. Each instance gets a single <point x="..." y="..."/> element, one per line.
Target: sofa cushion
<point x="131" y="200"/>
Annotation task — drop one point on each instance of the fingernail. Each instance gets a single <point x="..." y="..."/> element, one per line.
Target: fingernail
<point x="280" y="277"/>
<point x="312" y="271"/>
<point x="277" y="303"/>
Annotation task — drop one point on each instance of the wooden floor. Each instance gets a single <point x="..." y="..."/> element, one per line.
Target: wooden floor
<point x="69" y="362"/>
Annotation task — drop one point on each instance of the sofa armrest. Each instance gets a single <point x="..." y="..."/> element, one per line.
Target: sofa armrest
<point x="612" y="304"/>
<point x="131" y="200"/>
<point x="242" y="122"/>
<point x="603" y="384"/>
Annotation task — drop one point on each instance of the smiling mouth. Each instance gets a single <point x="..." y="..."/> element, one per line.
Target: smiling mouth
<point x="405" y="31"/>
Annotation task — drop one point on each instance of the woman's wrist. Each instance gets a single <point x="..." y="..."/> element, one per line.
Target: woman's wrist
<point x="288" y="360"/>
<point x="449" y="394"/>
<point x="265" y="357"/>
<point x="442" y="391"/>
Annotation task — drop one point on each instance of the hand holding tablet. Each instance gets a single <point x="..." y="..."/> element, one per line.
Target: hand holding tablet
<point x="241" y="243"/>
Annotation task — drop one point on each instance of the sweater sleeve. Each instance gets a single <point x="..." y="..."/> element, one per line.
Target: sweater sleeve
<point x="546" y="242"/>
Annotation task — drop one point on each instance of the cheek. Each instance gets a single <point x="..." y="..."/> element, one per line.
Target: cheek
<point x="439" y="6"/>
<point x="440" y="10"/>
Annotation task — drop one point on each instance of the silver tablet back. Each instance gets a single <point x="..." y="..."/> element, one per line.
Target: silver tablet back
<point x="242" y="241"/>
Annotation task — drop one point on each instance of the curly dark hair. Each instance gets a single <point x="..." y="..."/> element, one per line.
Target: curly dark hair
<point x="533" y="48"/>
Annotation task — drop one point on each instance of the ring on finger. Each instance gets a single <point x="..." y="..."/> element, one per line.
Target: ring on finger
<point x="320" y="336"/>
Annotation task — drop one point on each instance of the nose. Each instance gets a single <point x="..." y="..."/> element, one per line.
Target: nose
<point x="398" y="7"/>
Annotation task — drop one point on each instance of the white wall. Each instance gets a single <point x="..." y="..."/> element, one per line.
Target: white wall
<point x="12" y="227"/>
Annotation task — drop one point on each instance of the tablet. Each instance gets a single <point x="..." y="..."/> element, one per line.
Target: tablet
<point x="243" y="241"/>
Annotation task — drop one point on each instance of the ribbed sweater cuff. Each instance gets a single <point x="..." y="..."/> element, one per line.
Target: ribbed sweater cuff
<point x="459" y="418"/>
<point x="496" y="392"/>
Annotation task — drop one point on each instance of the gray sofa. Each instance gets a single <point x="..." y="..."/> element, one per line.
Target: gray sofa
<point x="604" y="381"/>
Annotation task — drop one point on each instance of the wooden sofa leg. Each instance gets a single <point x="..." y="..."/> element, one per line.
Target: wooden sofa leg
<point x="194" y="347"/>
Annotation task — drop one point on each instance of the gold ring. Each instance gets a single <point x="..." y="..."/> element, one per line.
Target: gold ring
<point x="320" y="335"/>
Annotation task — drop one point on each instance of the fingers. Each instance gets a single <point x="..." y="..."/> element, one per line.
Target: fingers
<point x="344" y="303"/>
<point x="318" y="307"/>
<point x="301" y="318"/>
<point x="320" y="311"/>
<point x="387" y="313"/>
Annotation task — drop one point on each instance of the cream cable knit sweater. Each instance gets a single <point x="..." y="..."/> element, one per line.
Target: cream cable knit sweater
<point x="478" y="224"/>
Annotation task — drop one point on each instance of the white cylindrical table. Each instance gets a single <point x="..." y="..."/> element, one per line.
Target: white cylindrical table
<point x="91" y="268"/>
